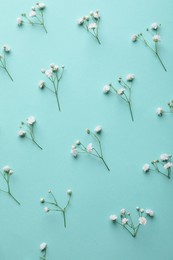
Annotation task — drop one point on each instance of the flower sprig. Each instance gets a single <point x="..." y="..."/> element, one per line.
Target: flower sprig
<point x="6" y="50"/>
<point x="162" y="166"/>
<point x="160" y="111"/>
<point x="27" y="130"/>
<point x="55" y="205"/>
<point x="91" y="24"/>
<point x="154" y="32"/>
<point x="124" y="92"/>
<point x="79" y="147"/>
<point x="43" y="249"/>
<point x="6" y="174"/>
<point x="54" y="74"/>
<point x="36" y="16"/>
<point x="125" y="220"/>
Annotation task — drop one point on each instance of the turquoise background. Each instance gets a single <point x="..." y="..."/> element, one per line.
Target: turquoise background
<point x="127" y="146"/>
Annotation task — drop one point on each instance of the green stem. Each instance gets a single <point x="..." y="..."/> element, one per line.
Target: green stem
<point x="161" y="61"/>
<point x="14" y="198"/>
<point x="105" y="163"/>
<point x="131" y="113"/>
<point x="37" y="144"/>
<point x="8" y="73"/>
<point x="64" y="217"/>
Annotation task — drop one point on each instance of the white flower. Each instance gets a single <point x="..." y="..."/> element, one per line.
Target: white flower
<point x="43" y="246"/>
<point x="142" y="221"/>
<point x="96" y="15"/>
<point x="98" y="129"/>
<point x="55" y="68"/>
<point x="159" y="111"/>
<point x="69" y="192"/>
<point x="146" y="167"/>
<point x="130" y="77"/>
<point x="46" y="209"/>
<point x="150" y="212"/>
<point x="42" y="200"/>
<point x="156" y="38"/>
<point x="48" y="73"/>
<point x="6" y="48"/>
<point x="32" y="14"/>
<point x="141" y="210"/>
<point x="43" y="70"/>
<point x="124" y="221"/>
<point x="31" y="120"/>
<point x="78" y="142"/>
<point x="165" y="157"/>
<point x="19" y="21"/>
<point x="92" y="26"/>
<point x="22" y="133"/>
<point x="120" y="91"/>
<point x="41" y="84"/>
<point x="41" y="6"/>
<point x="134" y="38"/>
<point x="80" y="21"/>
<point x="89" y="148"/>
<point x="6" y="169"/>
<point x="154" y="26"/>
<point x="122" y="211"/>
<point x="74" y="152"/>
<point x="113" y="217"/>
<point x="106" y="89"/>
<point x="167" y="166"/>
<point x="10" y="172"/>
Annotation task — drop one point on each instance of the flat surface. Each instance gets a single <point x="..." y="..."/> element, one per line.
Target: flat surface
<point x="127" y="146"/>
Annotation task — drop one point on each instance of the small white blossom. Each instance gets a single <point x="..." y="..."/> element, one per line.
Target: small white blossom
<point x="159" y="111"/>
<point x="156" y="38"/>
<point x="167" y="166"/>
<point x="124" y="221"/>
<point x="80" y="21"/>
<point x="92" y="26"/>
<point x="106" y="89"/>
<point x="6" y="48"/>
<point x="10" y="172"/>
<point x="32" y="14"/>
<point x="22" y="133"/>
<point x="89" y="148"/>
<point x="6" y="169"/>
<point x="165" y="157"/>
<point x="31" y="120"/>
<point x="48" y="73"/>
<point x="41" y="84"/>
<point x="43" y="70"/>
<point x="113" y="217"/>
<point x="42" y="200"/>
<point x="41" y="6"/>
<point x="130" y="77"/>
<point x="69" y="192"/>
<point x="19" y="21"/>
<point x="122" y="211"/>
<point x="146" y="167"/>
<point x="78" y="142"/>
<point x="43" y="246"/>
<point x="141" y="210"/>
<point x="150" y="212"/>
<point x="46" y="209"/>
<point x="154" y="26"/>
<point x="98" y="129"/>
<point x="120" y="91"/>
<point x="134" y="38"/>
<point x="96" y="15"/>
<point x="142" y="221"/>
<point x="74" y="152"/>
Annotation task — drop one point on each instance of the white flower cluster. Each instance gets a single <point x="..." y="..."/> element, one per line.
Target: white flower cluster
<point x="43" y="248"/>
<point x="125" y="219"/>
<point x="6" y="49"/>
<point x="153" y="30"/>
<point x="162" y="165"/>
<point x="91" y="23"/>
<point x="160" y="111"/>
<point x="124" y="91"/>
<point x="8" y="170"/>
<point x="36" y="12"/>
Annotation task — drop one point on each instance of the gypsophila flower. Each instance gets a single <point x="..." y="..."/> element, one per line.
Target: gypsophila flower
<point x="43" y="249"/>
<point x="3" y="63"/>
<point x="91" y="24"/>
<point x="160" y="110"/>
<point x="41" y="84"/>
<point x="54" y="75"/>
<point x="90" y="148"/>
<point x="27" y="130"/>
<point x="55" y="205"/>
<point x="35" y="16"/>
<point x="124" y="92"/>
<point x="42" y="200"/>
<point x="127" y="222"/>
<point x="155" y="39"/>
<point x="113" y="217"/>
<point x="6" y="173"/>
<point x="162" y="166"/>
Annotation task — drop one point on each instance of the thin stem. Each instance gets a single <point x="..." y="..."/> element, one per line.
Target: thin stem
<point x="8" y="73"/>
<point x="33" y="140"/>
<point x="105" y="163"/>
<point x="14" y="198"/>
<point x="161" y="61"/>
<point x="64" y="218"/>
<point x="130" y="108"/>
